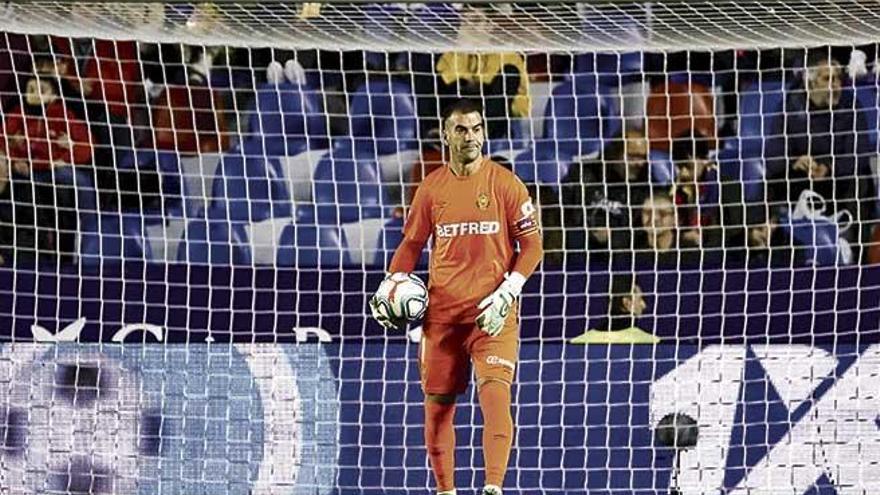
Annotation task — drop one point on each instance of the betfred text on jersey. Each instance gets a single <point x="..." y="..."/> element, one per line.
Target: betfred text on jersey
<point x="468" y="228"/>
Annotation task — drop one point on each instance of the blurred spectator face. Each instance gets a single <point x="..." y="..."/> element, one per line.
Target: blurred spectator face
<point x="465" y="136"/>
<point x="690" y="153"/>
<point x="39" y="92"/>
<point x="824" y="83"/>
<point x="658" y="215"/>
<point x="635" y="304"/>
<point x="759" y="236"/>
<point x="636" y="154"/>
<point x="689" y="173"/>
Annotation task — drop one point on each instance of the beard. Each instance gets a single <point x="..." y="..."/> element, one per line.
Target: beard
<point x="467" y="155"/>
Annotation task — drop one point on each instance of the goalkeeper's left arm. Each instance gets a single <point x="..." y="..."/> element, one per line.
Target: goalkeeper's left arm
<point x="496" y="306"/>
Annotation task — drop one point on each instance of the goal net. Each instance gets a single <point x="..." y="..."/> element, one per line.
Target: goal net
<point x="197" y="200"/>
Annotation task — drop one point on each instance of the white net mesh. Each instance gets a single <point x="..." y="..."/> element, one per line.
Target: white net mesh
<point x="434" y="27"/>
<point x="196" y="201"/>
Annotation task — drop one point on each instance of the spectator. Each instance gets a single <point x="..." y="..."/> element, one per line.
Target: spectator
<point x="499" y="79"/>
<point x="659" y="241"/>
<point x="698" y="217"/>
<point x="188" y="117"/>
<point x="769" y="245"/>
<point x="674" y="108"/>
<point x="549" y="211"/>
<point x="626" y="303"/>
<point x="823" y="149"/>
<point x="39" y="137"/>
<point x="42" y="132"/>
<point x="107" y="72"/>
<point x="597" y="197"/>
<point x="186" y="120"/>
<point x="107" y="79"/>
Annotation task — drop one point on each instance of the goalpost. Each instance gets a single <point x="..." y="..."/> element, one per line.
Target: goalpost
<point x="197" y="200"/>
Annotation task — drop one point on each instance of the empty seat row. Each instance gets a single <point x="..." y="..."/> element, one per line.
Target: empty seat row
<point x="280" y="242"/>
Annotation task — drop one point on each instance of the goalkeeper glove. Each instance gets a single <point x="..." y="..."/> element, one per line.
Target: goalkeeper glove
<point x="382" y="311"/>
<point x="497" y="305"/>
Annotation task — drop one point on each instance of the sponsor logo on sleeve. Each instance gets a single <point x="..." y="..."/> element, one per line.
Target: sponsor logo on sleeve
<point x="527" y="220"/>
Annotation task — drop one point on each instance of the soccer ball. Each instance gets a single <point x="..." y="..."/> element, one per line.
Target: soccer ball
<point x="404" y="295"/>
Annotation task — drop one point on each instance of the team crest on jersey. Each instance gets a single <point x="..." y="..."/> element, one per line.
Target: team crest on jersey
<point x="482" y="201"/>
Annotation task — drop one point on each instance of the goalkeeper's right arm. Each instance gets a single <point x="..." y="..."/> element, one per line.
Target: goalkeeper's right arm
<point x="404" y="260"/>
<point x="415" y="234"/>
<point x="406" y="257"/>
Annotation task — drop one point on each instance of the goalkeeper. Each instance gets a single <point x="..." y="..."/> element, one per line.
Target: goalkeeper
<point x="476" y="211"/>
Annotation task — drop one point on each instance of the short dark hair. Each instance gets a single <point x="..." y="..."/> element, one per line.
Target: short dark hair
<point x="819" y="56"/>
<point x="461" y="105"/>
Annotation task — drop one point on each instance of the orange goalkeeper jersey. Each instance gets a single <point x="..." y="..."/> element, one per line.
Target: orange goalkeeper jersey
<point x="475" y="221"/>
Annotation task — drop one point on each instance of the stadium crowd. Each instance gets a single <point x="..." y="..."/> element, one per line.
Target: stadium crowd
<point x="749" y="158"/>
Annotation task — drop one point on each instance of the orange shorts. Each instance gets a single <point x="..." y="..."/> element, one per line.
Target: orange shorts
<point x="447" y="351"/>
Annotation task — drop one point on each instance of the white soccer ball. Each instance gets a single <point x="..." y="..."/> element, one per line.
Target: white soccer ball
<point x="404" y="295"/>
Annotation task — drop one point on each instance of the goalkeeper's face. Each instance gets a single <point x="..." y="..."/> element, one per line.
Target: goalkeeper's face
<point x="464" y="136"/>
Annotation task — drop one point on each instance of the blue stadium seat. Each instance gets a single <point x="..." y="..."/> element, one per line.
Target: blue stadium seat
<point x="509" y="148"/>
<point x="866" y="97"/>
<point x="198" y="173"/>
<point x="163" y="236"/>
<point x="662" y="168"/>
<point x="272" y="242"/>
<point x="167" y="164"/>
<point x="297" y="172"/>
<point x="250" y="187"/>
<point x="540" y="164"/>
<point x="579" y="120"/>
<point x="372" y="242"/>
<point x="91" y="223"/>
<point x="118" y="237"/>
<point x="163" y="225"/>
<point x="291" y="139"/>
<point x="383" y="117"/>
<point x="348" y="188"/>
<point x="364" y="241"/>
<point x="612" y="69"/>
<point x="214" y="241"/>
<point x="311" y="246"/>
<point x="288" y="120"/>
<point x="384" y="125"/>
<point x="743" y="159"/>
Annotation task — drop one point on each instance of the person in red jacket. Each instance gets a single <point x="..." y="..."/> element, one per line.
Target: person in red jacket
<point x="109" y="73"/>
<point x="37" y="216"/>
<point x="42" y="132"/>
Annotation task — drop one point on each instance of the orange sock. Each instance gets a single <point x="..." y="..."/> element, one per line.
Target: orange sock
<point x="440" y="442"/>
<point x="497" y="429"/>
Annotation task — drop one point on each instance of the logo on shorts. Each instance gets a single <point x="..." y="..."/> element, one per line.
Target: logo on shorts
<point x="482" y="201"/>
<point x="501" y="361"/>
